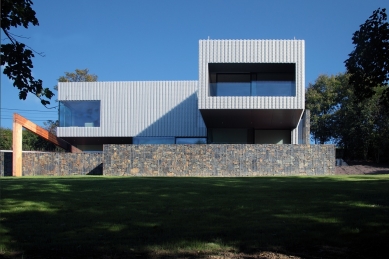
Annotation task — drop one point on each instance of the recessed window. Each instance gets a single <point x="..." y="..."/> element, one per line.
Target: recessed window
<point x="79" y="113"/>
<point x="252" y="80"/>
<point x="272" y="137"/>
<point x="227" y="136"/>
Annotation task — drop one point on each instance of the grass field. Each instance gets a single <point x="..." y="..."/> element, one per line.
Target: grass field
<point x="113" y="217"/>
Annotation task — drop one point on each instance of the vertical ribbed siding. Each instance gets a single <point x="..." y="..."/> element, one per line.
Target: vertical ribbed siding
<point x="155" y="108"/>
<point x="251" y="51"/>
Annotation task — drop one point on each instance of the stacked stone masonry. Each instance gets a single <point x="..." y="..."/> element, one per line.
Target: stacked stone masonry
<point x="55" y="164"/>
<point x="226" y="160"/>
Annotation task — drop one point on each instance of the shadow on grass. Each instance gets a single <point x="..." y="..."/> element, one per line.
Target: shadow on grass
<point x="378" y="172"/>
<point x="98" y="217"/>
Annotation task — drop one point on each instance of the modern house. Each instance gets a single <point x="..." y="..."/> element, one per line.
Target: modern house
<point x="248" y="92"/>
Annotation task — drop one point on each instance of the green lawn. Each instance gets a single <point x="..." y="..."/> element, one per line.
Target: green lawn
<point x="115" y="217"/>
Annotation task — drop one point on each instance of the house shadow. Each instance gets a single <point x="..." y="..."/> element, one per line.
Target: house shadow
<point x="183" y="120"/>
<point x="378" y="172"/>
<point x="7" y="166"/>
<point x="98" y="170"/>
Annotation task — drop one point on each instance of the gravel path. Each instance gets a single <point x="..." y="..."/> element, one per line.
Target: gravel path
<point x="367" y="168"/>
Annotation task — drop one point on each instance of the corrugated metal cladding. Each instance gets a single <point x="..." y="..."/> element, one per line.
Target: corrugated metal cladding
<point x="251" y="51"/>
<point x="147" y="108"/>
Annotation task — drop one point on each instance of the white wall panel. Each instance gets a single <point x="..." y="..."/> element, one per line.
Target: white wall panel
<point x="155" y="108"/>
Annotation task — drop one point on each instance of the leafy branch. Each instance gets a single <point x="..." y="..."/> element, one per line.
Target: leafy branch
<point x="16" y="57"/>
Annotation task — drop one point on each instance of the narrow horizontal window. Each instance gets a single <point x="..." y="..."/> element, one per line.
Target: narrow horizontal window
<point x="191" y="141"/>
<point x="153" y="140"/>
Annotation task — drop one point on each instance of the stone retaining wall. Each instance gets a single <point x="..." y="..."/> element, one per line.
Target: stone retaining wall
<point x="55" y="164"/>
<point x="225" y="160"/>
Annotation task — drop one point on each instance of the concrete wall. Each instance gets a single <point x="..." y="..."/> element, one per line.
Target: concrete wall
<point x="222" y="160"/>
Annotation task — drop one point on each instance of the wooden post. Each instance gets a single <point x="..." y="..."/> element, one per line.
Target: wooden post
<point x="17" y="149"/>
<point x="19" y="122"/>
<point x="29" y="125"/>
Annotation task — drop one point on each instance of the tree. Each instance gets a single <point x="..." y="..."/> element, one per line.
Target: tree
<point x="368" y="63"/>
<point x="51" y="126"/>
<point x="321" y="99"/>
<point x="30" y="141"/>
<point x="16" y="57"/>
<point x="360" y="128"/>
<point x="80" y="75"/>
<point x="5" y="139"/>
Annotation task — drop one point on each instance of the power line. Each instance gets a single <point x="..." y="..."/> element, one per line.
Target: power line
<point x="31" y="115"/>
<point x="26" y="110"/>
<point x="27" y="118"/>
<point x="35" y="115"/>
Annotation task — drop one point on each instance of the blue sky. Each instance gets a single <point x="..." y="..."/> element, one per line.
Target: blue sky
<point x="129" y="40"/>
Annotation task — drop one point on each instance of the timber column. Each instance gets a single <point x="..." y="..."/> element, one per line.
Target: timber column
<point x="17" y="149"/>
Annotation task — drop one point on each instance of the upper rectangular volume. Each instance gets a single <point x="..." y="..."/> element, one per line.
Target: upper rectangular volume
<point x="251" y="74"/>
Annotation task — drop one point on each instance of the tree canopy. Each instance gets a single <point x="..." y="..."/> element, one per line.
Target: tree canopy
<point x="351" y="109"/>
<point x="321" y="99"/>
<point x="79" y="75"/>
<point x="360" y="128"/>
<point x="16" y="57"/>
<point x="368" y="63"/>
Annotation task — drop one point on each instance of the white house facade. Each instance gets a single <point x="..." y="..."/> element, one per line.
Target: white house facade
<point x="248" y="92"/>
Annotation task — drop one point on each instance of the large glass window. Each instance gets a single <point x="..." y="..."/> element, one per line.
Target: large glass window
<point x="274" y="88"/>
<point x="231" y="85"/>
<point x="79" y="113"/>
<point x="252" y="80"/>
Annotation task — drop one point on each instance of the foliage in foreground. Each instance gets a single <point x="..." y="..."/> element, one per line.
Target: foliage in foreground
<point x="16" y="57"/>
<point x="313" y="217"/>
